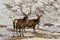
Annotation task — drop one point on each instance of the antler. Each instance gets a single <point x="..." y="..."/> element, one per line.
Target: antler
<point x="41" y="11"/>
<point x="21" y="10"/>
<point x="30" y="10"/>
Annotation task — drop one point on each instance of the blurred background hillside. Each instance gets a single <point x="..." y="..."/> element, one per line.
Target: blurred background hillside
<point x="10" y="10"/>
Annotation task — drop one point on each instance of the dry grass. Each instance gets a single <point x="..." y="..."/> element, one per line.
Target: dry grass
<point x="39" y="35"/>
<point x="42" y="35"/>
<point x="3" y="26"/>
<point x="19" y="38"/>
<point x="48" y="24"/>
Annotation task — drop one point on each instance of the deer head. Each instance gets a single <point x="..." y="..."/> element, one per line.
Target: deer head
<point x="39" y="11"/>
<point x="26" y="15"/>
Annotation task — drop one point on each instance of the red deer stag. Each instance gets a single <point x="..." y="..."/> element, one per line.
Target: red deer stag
<point x="33" y="22"/>
<point x="19" y="24"/>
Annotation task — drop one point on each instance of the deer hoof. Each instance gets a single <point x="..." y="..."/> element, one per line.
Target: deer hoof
<point x="13" y="36"/>
<point x="20" y="34"/>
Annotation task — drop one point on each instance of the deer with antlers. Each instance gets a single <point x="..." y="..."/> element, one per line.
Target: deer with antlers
<point x="19" y="24"/>
<point x="33" y="22"/>
<point x="25" y="22"/>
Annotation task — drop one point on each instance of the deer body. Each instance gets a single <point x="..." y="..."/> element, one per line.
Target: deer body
<point x="33" y="22"/>
<point x="25" y="22"/>
<point x="19" y="24"/>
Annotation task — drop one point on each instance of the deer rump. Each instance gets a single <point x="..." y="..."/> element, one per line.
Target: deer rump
<point x="19" y="24"/>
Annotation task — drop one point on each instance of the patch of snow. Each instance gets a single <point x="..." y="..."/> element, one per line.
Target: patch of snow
<point x="28" y="34"/>
<point x="56" y="34"/>
<point x="52" y="29"/>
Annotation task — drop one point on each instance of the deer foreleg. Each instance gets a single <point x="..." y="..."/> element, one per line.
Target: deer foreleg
<point x="34" y="28"/>
<point x="22" y="31"/>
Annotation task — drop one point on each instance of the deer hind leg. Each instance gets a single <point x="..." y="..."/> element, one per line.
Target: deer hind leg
<point x="24" y="30"/>
<point x="20" y="31"/>
<point x="17" y="32"/>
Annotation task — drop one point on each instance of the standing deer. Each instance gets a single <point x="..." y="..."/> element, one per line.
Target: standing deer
<point x="19" y="24"/>
<point x="33" y="22"/>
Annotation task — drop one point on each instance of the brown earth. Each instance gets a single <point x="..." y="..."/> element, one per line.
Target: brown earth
<point x="39" y="35"/>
